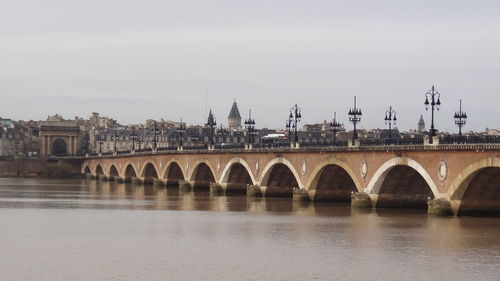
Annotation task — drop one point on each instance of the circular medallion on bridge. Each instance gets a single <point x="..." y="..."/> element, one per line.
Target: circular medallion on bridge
<point x="364" y="169"/>
<point x="304" y="167"/>
<point x="443" y="171"/>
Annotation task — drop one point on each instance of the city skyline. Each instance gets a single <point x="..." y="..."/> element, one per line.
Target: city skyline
<point x="157" y="59"/>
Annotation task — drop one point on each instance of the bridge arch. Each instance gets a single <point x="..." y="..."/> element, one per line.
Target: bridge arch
<point x="279" y="177"/>
<point x="477" y="189"/>
<point x="402" y="182"/>
<point x="149" y="172"/>
<point x="86" y="170"/>
<point x="202" y="175"/>
<point x="98" y="170"/>
<point x="333" y="180"/>
<point x="129" y="172"/>
<point x="173" y="173"/>
<point x="237" y="175"/>
<point x="113" y="172"/>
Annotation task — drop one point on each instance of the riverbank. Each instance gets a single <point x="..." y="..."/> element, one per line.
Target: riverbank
<point x="37" y="168"/>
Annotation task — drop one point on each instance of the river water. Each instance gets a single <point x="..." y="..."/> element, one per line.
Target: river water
<point x="85" y="230"/>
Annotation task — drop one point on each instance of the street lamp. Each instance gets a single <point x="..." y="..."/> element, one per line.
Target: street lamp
<point x="114" y="139"/>
<point x="181" y="130"/>
<point x="460" y="119"/>
<point x="390" y="119"/>
<point x="134" y="137"/>
<point x="250" y="126"/>
<point x="211" y="123"/>
<point x="435" y="102"/>
<point x="101" y="141"/>
<point x="355" y="117"/>
<point x="292" y="122"/>
<point x="335" y="126"/>
<point x="222" y="134"/>
<point x="155" y="135"/>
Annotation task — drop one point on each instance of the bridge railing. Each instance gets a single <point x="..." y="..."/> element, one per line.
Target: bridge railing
<point x="196" y="147"/>
<point x="230" y="146"/>
<point x="469" y="139"/>
<point x="170" y="148"/>
<point x="382" y="142"/>
<point x="271" y="145"/>
<point x="338" y="143"/>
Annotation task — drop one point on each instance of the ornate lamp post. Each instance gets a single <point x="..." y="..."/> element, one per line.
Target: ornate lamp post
<point x="114" y="139"/>
<point x="101" y="141"/>
<point x="390" y="119"/>
<point x="181" y="130"/>
<point x="134" y="137"/>
<point x="335" y="126"/>
<point x="211" y="123"/>
<point x="155" y="135"/>
<point x="293" y="121"/>
<point x="435" y="102"/>
<point x="460" y="119"/>
<point x="222" y="134"/>
<point x="250" y="126"/>
<point x="139" y="140"/>
<point x="355" y="117"/>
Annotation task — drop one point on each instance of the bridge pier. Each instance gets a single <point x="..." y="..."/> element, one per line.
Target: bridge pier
<point x="185" y="186"/>
<point x="103" y="178"/>
<point x="216" y="189"/>
<point x="136" y="181"/>
<point x="361" y="200"/>
<point x="118" y="179"/>
<point x="439" y="207"/>
<point x="254" y="191"/>
<point x="90" y="177"/>
<point x="300" y="194"/>
<point x="158" y="182"/>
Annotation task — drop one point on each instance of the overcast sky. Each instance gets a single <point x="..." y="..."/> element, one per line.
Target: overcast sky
<point x="135" y="60"/>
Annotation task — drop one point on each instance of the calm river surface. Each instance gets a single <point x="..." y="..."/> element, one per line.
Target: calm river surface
<point x="85" y="230"/>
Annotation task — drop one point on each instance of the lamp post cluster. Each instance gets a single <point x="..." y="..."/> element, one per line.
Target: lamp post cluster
<point x="181" y="130"/>
<point x="250" y="127"/>
<point x="460" y="118"/>
<point x="211" y="123"/>
<point x="434" y="103"/>
<point x="355" y="117"/>
<point x="293" y="121"/>
<point x="335" y="126"/>
<point x="390" y="119"/>
<point x="114" y="139"/>
<point x="155" y="132"/>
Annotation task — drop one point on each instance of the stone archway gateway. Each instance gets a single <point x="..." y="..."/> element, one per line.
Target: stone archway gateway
<point x="59" y="138"/>
<point x="59" y="147"/>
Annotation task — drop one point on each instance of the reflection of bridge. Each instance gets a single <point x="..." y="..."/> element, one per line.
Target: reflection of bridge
<point x="465" y="178"/>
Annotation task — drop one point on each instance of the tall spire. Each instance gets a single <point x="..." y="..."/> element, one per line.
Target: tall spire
<point x="234" y="118"/>
<point x="234" y="113"/>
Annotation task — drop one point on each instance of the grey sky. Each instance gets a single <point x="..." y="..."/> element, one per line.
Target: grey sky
<point x="135" y="60"/>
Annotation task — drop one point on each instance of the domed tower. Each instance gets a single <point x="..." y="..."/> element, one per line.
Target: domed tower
<point x="234" y="118"/>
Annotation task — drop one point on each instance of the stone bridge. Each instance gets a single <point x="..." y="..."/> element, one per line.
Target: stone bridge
<point x="455" y="179"/>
